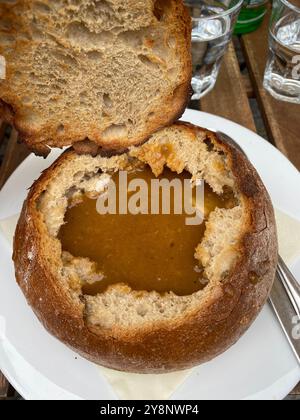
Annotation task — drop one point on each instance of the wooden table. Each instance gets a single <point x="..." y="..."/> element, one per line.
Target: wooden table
<point x="238" y="96"/>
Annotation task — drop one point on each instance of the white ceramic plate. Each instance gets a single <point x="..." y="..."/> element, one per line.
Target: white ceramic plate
<point x="260" y="366"/>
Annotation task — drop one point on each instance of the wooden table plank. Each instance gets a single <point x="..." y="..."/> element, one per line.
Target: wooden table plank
<point x="248" y="85"/>
<point x="229" y="97"/>
<point x="296" y="391"/>
<point x="4" y="386"/>
<point x="281" y="118"/>
<point x="14" y="154"/>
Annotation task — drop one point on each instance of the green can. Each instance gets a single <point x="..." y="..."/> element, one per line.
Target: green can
<point x="251" y="16"/>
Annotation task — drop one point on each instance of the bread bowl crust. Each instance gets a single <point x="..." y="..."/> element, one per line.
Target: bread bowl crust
<point x="196" y="338"/>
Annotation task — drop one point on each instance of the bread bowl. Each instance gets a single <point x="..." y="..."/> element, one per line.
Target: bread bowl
<point x="151" y="332"/>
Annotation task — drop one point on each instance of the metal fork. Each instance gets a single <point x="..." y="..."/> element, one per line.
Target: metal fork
<point x="285" y="295"/>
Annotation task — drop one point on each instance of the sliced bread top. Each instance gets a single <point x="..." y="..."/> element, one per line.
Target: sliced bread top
<point x="98" y="73"/>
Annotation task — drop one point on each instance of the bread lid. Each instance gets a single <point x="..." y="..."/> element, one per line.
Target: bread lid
<point x="93" y="74"/>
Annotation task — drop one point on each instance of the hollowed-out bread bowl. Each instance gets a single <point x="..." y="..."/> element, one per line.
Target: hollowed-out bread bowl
<point x="149" y="332"/>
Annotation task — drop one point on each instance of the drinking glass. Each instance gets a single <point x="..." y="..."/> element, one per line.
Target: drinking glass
<point x="212" y="28"/>
<point x="282" y="75"/>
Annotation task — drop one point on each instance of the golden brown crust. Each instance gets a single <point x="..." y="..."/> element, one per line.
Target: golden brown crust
<point x="42" y="135"/>
<point x="198" y="337"/>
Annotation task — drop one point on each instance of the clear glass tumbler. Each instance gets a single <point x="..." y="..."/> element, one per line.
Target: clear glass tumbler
<point x="213" y="24"/>
<point x="282" y="75"/>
